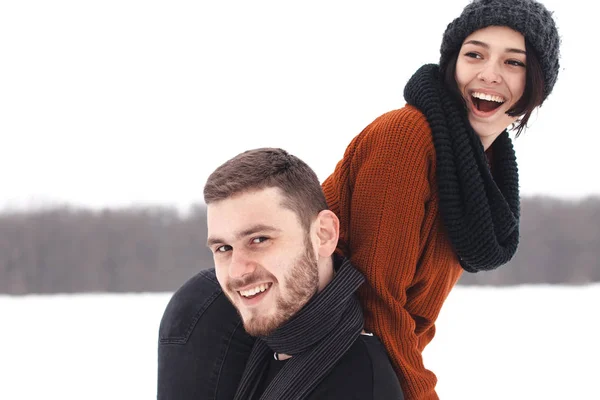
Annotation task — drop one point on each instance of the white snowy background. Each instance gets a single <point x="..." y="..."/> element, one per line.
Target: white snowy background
<point x="527" y="342"/>
<point x="129" y="102"/>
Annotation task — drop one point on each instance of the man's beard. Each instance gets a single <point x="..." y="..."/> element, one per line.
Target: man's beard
<point x="299" y="285"/>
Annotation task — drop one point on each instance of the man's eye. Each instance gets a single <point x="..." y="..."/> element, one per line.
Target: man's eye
<point x="260" y="239"/>
<point x="223" y="249"/>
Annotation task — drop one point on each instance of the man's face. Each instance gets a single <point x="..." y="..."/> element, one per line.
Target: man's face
<point x="263" y="257"/>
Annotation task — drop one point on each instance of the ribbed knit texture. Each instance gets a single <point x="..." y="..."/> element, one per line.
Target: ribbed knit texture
<point x="480" y="214"/>
<point x="316" y="338"/>
<point x="528" y="17"/>
<point x="385" y="191"/>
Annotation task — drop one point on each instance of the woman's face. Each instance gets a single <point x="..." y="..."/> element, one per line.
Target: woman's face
<point x="490" y="74"/>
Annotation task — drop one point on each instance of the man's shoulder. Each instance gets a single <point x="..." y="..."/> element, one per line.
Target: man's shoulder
<point x="187" y="305"/>
<point x="385" y="381"/>
<point x="363" y="373"/>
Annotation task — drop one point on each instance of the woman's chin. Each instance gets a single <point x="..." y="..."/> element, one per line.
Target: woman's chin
<point x="490" y="126"/>
<point x="487" y="131"/>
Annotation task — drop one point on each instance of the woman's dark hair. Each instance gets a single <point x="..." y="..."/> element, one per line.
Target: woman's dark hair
<point x="533" y="95"/>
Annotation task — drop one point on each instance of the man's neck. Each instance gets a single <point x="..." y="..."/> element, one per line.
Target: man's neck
<point x="281" y="356"/>
<point x="326" y="272"/>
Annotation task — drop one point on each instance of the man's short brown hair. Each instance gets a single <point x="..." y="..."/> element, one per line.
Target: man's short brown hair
<point x="265" y="168"/>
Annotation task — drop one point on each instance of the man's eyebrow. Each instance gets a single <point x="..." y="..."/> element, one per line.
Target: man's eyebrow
<point x="246" y="232"/>
<point x="487" y="46"/>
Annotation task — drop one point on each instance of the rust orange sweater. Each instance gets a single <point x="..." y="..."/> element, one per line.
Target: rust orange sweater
<point x="384" y="191"/>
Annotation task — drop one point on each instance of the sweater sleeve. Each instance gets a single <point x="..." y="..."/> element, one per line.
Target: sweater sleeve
<point x="384" y="192"/>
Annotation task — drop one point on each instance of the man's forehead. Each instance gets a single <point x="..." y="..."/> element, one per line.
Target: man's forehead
<point x="263" y="204"/>
<point x="241" y="232"/>
<point x="270" y="194"/>
<point x="231" y="218"/>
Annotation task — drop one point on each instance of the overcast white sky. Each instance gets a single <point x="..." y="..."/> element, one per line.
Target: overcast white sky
<point x="110" y="103"/>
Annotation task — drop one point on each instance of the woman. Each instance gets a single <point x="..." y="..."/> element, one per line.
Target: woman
<point x="422" y="193"/>
<point x="433" y="187"/>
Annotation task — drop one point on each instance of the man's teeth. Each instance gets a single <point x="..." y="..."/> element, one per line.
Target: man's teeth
<point x="488" y="97"/>
<point x="254" y="290"/>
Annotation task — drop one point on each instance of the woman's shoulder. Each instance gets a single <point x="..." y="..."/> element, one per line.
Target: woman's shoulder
<point x="400" y="131"/>
<point x="407" y="115"/>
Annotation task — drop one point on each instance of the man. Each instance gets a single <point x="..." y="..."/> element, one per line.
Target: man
<point x="273" y="240"/>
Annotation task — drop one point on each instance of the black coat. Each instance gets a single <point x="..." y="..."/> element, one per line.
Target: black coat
<point x="203" y="349"/>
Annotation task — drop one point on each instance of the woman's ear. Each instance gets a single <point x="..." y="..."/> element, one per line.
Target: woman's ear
<point x="327" y="229"/>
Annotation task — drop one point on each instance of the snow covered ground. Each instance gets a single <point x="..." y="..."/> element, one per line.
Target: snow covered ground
<point x="529" y="342"/>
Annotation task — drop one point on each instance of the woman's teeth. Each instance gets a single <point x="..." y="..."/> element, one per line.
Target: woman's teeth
<point x="488" y="97"/>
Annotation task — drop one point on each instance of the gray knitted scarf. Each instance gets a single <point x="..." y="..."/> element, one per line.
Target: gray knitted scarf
<point x="480" y="211"/>
<point x="316" y="338"/>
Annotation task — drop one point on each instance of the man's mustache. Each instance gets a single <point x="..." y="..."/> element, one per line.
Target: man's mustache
<point x="247" y="280"/>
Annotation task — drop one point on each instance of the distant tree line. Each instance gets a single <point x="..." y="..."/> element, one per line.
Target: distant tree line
<point x="68" y="250"/>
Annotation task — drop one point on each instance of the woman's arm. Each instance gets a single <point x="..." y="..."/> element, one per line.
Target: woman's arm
<point x="385" y="194"/>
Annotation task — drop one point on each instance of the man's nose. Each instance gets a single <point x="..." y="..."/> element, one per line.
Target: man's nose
<point x="240" y="264"/>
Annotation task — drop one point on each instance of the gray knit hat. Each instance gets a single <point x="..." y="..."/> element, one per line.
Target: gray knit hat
<point x="528" y="17"/>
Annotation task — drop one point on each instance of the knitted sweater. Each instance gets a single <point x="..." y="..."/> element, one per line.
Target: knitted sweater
<point x="384" y="191"/>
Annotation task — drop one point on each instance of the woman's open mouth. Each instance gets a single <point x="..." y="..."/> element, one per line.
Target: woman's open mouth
<point x="486" y="103"/>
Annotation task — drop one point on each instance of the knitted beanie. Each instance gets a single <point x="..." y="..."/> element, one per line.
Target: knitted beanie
<point x="528" y="17"/>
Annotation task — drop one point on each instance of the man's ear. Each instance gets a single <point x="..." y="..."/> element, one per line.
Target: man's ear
<point x="327" y="227"/>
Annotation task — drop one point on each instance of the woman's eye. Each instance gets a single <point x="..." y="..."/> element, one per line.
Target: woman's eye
<point x="473" y="55"/>
<point x="516" y="63"/>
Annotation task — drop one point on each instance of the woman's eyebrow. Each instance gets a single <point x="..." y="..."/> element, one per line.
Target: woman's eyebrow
<point x="487" y="46"/>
